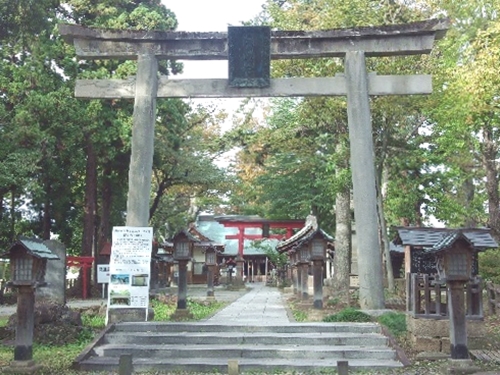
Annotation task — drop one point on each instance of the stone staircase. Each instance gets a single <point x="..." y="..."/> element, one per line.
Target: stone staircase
<point x="205" y="347"/>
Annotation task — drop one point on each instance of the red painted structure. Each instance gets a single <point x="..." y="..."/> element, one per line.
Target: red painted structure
<point x="243" y="222"/>
<point x="85" y="263"/>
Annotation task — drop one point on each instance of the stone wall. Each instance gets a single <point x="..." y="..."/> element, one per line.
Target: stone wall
<point x="433" y="335"/>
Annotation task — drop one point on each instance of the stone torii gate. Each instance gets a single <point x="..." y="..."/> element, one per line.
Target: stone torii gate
<point x="353" y="45"/>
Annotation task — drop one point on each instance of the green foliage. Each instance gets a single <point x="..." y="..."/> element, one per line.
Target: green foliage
<point x="93" y="321"/>
<point x="4" y="320"/>
<point x="204" y="309"/>
<point x="162" y="310"/>
<point x="395" y="323"/>
<point x="489" y="262"/>
<point x="299" y="316"/>
<point x="348" y="314"/>
<point x="333" y="301"/>
<point x="165" y="306"/>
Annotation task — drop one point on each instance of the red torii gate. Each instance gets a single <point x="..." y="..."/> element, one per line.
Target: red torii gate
<point x="84" y="262"/>
<point x="243" y="222"/>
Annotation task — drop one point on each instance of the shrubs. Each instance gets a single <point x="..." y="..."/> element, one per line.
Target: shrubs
<point x="395" y="322"/>
<point x="349" y="314"/>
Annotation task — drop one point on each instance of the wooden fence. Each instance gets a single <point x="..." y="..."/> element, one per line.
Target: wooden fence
<point x="493" y="295"/>
<point x="427" y="296"/>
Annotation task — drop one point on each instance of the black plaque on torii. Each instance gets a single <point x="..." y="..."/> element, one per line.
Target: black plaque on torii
<point x="249" y="55"/>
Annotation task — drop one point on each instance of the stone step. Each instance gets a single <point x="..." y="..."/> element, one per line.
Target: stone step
<point x="212" y="365"/>
<point x="239" y="338"/>
<point x="204" y="347"/>
<point x="284" y="328"/>
<point x="248" y="351"/>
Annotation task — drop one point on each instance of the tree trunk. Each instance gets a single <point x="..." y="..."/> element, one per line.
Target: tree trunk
<point x="104" y="233"/>
<point x="466" y="194"/>
<point x="156" y="200"/>
<point x="489" y="163"/>
<point x="46" y="222"/>
<point x="89" y="209"/>
<point x="384" y="238"/>
<point x="342" y="258"/>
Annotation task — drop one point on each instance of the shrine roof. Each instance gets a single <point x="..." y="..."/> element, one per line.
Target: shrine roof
<point x="308" y="231"/>
<point x="393" y="248"/>
<point x="447" y="241"/>
<point x="426" y="237"/>
<point x="203" y="240"/>
<point x="34" y="247"/>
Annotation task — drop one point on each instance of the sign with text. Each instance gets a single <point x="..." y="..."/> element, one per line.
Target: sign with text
<point x="103" y="273"/>
<point x="129" y="267"/>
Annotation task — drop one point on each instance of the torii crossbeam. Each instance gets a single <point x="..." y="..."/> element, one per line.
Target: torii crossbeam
<point x="351" y="44"/>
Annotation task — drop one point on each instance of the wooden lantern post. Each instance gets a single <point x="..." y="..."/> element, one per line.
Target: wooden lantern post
<point x="295" y="271"/>
<point x="453" y="256"/>
<point x="28" y="261"/>
<point x="304" y="265"/>
<point x="211" y="262"/>
<point x="182" y="254"/>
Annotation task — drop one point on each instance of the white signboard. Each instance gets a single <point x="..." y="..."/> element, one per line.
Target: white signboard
<point x="129" y="268"/>
<point x="103" y="273"/>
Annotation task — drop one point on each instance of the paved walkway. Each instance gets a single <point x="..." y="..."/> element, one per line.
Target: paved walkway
<point x="247" y="306"/>
<point x="262" y="305"/>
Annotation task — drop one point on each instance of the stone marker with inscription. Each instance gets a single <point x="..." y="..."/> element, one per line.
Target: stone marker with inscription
<point x="249" y="55"/>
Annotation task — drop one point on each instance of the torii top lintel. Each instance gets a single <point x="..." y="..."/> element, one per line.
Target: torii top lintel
<point x="389" y="40"/>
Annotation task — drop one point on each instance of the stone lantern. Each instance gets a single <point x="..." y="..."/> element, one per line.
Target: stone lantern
<point x="28" y="260"/>
<point x="317" y="250"/>
<point x="182" y="253"/>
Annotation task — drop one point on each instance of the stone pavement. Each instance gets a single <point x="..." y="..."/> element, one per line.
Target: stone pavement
<point x="261" y="305"/>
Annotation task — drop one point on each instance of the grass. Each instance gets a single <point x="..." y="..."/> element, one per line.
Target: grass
<point x="395" y="323"/>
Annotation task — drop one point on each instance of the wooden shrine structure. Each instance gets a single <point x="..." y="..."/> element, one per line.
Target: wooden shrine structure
<point x="352" y="45"/>
<point x="426" y="294"/>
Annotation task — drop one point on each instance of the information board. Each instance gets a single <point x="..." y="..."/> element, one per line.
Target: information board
<point x="130" y="267"/>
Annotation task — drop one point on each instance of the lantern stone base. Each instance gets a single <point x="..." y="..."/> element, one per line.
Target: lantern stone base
<point x="181" y="314"/>
<point x="22" y="367"/>
<point x="130" y="315"/>
<point x="433" y="335"/>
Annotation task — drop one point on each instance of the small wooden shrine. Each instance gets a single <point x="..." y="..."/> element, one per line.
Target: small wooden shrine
<point x="426" y="292"/>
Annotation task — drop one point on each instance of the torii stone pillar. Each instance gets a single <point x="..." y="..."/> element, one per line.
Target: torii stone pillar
<point x="363" y="179"/>
<point x="352" y="44"/>
<point x="141" y="159"/>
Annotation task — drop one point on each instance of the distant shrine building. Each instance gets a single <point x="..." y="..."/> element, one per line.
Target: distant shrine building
<point x="247" y="238"/>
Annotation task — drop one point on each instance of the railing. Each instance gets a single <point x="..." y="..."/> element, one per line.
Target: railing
<point x="427" y="296"/>
<point x="493" y="293"/>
